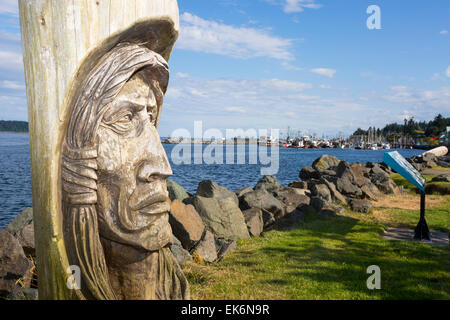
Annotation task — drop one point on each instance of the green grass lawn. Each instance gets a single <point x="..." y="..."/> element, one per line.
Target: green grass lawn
<point x="431" y="187"/>
<point x="437" y="212"/>
<point x="327" y="258"/>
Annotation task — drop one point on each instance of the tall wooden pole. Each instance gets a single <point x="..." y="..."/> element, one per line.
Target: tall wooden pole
<point x="57" y="36"/>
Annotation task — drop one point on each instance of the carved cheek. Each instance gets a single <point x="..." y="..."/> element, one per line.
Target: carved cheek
<point x="109" y="151"/>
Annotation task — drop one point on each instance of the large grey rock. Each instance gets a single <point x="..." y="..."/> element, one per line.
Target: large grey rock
<point x="346" y="187"/>
<point x="176" y="191"/>
<point x="346" y="180"/>
<point x="442" y="178"/>
<point x="261" y="199"/>
<point x="180" y="254"/>
<point x="326" y="173"/>
<point x="13" y="263"/>
<point x="419" y="166"/>
<point x="26" y="239"/>
<point x="292" y="197"/>
<point x="429" y="157"/>
<point x="219" y="211"/>
<point x="21" y="221"/>
<point x="312" y="182"/>
<point x="186" y="224"/>
<point x="335" y="194"/>
<point x="325" y="162"/>
<point x="344" y="170"/>
<point x="369" y="164"/>
<point x="386" y="168"/>
<point x="359" y="205"/>
<point x="22" y="227"/>
<point x="308" y="173"/>
<point x="292" y="219"/>
<point x="322" y="191"/>
<point x="317" y="203"/>
<point x="388" y="187"/>
<point x="360" y="174"/>
<point x="299" y="184"/>
<point x="370" y="192"/>
<point x="268" y="218"/>
<point x="206" y="250"/>
<point x="224" y="248"/>
<point x="268" y="183"/>
<point x="210" y="189"/>
<point x="382" y="180"/>
<point x="254" y="220"/>
<point x="242" y="191"/>
<point x="378" y="171"/>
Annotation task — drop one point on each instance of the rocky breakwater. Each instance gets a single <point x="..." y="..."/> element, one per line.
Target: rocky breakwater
<point x="333" y="182"/>
<point x="206" y="225"/>
<point x="429" y="160"/>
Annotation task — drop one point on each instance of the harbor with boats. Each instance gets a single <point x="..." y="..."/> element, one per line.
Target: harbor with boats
<point x="410" y="135"/>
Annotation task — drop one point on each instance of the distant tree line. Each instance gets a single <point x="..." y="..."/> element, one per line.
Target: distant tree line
<point x="13" y="126"/>
<point x="410" y="128"/>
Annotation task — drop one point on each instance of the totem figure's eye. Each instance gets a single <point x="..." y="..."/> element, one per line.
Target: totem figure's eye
<point x="125" y="119"/>
<point x="152" y="107"/>
<point x="152" y="115"/>
<point x="120" y="122"/>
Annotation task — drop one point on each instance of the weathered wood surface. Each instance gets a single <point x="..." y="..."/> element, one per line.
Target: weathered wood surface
<point x="57" y="35"/>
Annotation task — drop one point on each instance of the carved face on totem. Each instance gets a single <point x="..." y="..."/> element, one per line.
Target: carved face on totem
<point x="132" y="198"/>
<point x="113" y="172"/>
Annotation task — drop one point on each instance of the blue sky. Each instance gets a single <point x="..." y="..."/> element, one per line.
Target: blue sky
<point x="312" y="65"/>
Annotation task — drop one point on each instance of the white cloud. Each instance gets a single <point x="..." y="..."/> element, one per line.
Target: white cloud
<point x="235" y="109"/>
<point x="6" y="84"/>
<point x="198" y="93"/>
<point x="324" y="72"/>
<point x="424" y="104"/>
<point x="11" y="60"/>
<point x="435" y="76"/>
<point x="182" y="75"/>
<point x="9" y="6"/>
<point x="444" y="32"/>
<point x="292" y="6"/>
<point x="15" y="37"/>
<point x="260" y="103"/>
<point x="13" y="107"/>
<point x="289" y="66"/>
<point x="265" y="103"/>
<point x="209" y="36"/>
<point x="447" y="72"/>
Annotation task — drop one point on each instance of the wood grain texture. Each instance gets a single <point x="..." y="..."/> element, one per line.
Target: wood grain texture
<point x="57" y="36"/>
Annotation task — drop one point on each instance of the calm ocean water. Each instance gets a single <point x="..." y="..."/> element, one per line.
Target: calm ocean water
<point x="15" y="182"/>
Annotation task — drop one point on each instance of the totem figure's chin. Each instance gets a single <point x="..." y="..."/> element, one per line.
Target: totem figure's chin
<point x="148" y="232"/>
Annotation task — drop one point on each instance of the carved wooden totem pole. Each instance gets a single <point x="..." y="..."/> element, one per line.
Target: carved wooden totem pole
<point x="96" y="73"/>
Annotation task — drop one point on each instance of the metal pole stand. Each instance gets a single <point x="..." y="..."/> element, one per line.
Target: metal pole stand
<point x="421" y="231"/>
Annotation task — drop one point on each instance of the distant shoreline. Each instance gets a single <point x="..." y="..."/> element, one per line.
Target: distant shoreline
<point x="14" y="126"/>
